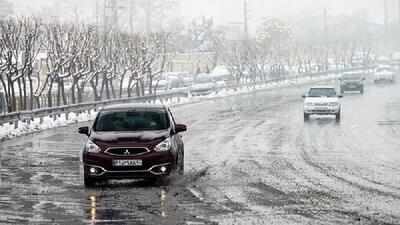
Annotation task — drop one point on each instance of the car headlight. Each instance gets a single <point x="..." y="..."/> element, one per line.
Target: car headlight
<point x="334" y="104"/>
<point x="92" y="147"/>
<point x="163" y="146"/>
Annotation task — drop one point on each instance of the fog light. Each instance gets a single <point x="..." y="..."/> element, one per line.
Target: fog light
<point x="163" y="169"/>
<point x="93" y="170"/>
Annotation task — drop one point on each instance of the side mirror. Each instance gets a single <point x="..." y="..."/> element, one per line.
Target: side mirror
<point x="180" y="128"/>
<point x="84" y="130"/>
<point x="363" y="78"/>
<point x="303" y="96"/>
<point x="340" y="96"/>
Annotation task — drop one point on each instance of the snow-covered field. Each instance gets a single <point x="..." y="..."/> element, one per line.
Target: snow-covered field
<point x="8" y="130"/>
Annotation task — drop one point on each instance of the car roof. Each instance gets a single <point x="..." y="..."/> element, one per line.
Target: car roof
<point x="133" y="106"/>
<point x="353" y="72"/>
<point x="323" y="87"/>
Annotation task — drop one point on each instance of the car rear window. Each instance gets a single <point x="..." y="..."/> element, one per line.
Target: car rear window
<point x="203" y="80"/>
<point x="322" y="92"/>
<point x="132" y="120"/>
<point x="352" y="76"/>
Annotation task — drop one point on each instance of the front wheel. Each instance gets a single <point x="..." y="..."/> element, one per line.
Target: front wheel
<point x="181" y="169"/>
<point x="306" y="116"/>
<point x="362" y="90"/>
<point x="337" y="116"/>
<point x="88" y="181"/>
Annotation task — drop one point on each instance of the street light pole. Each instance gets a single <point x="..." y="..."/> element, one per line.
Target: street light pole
<point x="246" y="27"/>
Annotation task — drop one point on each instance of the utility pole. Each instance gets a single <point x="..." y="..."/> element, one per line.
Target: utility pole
<point x="326" y="38"/>
<point x="386" y="16"/>
<point x="246" y="27"/>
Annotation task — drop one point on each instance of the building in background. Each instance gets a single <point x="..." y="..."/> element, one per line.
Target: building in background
<point x="6" y="8"/>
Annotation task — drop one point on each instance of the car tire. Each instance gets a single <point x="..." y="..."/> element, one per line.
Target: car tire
<point x="88" y="181"/>
<point x="158" y="181"/>
<point x="362" y="90"/>
<point x="181" y="168"/>
<point x="306" y="116"/>
<point x="337" y="115"/>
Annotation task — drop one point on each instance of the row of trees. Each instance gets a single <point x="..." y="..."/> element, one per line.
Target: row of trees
<point x="274" y="52"/>
<point x="62" y="61"/>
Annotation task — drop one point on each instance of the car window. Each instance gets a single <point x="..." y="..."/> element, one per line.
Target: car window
<point x="202" y="80"/>
<point x="352" y="76"/>
<point x="132" y="120"/>
<point x="322" y="92"/>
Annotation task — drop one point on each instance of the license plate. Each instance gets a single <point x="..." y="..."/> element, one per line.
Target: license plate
<point x="130" y="162"/>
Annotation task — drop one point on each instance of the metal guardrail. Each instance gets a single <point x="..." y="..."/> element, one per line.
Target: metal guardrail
<point x="28" y="116"/>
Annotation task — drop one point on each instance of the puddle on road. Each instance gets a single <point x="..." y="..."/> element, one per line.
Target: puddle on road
<point x="100" y="212"/>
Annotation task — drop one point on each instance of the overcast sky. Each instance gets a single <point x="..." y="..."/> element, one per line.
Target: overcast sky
<point x="232" y="10"/>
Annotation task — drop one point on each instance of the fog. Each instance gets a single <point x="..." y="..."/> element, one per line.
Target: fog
<point x="224" y="11"/>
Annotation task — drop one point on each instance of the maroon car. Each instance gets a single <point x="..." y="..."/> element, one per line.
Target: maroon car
<point x="132" y="141"/>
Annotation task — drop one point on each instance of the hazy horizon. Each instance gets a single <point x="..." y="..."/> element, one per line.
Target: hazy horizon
<point x="225" y="11"/>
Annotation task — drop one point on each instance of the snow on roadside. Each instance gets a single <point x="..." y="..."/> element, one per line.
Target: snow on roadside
<point x="7" y="131"/>
<point x="267" y="86"/>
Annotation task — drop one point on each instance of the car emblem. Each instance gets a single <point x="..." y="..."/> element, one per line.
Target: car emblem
<point x="127" y="152"/>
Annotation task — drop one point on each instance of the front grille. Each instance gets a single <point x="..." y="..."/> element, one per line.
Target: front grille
<point x="323" y="111"/>
<point x="321" y="104"/>
<point x="129" y="151"/>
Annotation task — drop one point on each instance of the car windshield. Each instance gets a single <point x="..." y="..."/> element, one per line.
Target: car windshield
<point x="322" y="92"/>
<point x="132" y="120"/>
<point x="202" y="80"/>
<point x="352" y="77"/>
<point x="218" y="78"/>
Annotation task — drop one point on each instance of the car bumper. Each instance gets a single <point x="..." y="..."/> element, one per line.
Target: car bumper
<point x="201" y="92"/>
<point x="151" y="166"/>
<point x="322" y="110"/>
<point x="351" y="87"/>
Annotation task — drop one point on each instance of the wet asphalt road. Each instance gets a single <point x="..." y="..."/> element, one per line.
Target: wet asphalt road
<point x="250" y="159"/>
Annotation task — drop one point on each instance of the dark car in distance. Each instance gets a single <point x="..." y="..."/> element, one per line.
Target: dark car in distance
<point x="132" y="141"/>
<point x="352" y="81"/>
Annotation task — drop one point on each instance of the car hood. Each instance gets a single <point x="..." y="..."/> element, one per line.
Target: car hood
<point x="142" y="136"/>
<point x="321" y="100"/>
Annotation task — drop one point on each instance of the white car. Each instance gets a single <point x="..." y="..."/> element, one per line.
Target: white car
<point x="219" y="80"/>
<point x="321" y="101"/>
<point x="203" y="84"/>
<point x="384" y="73"/>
